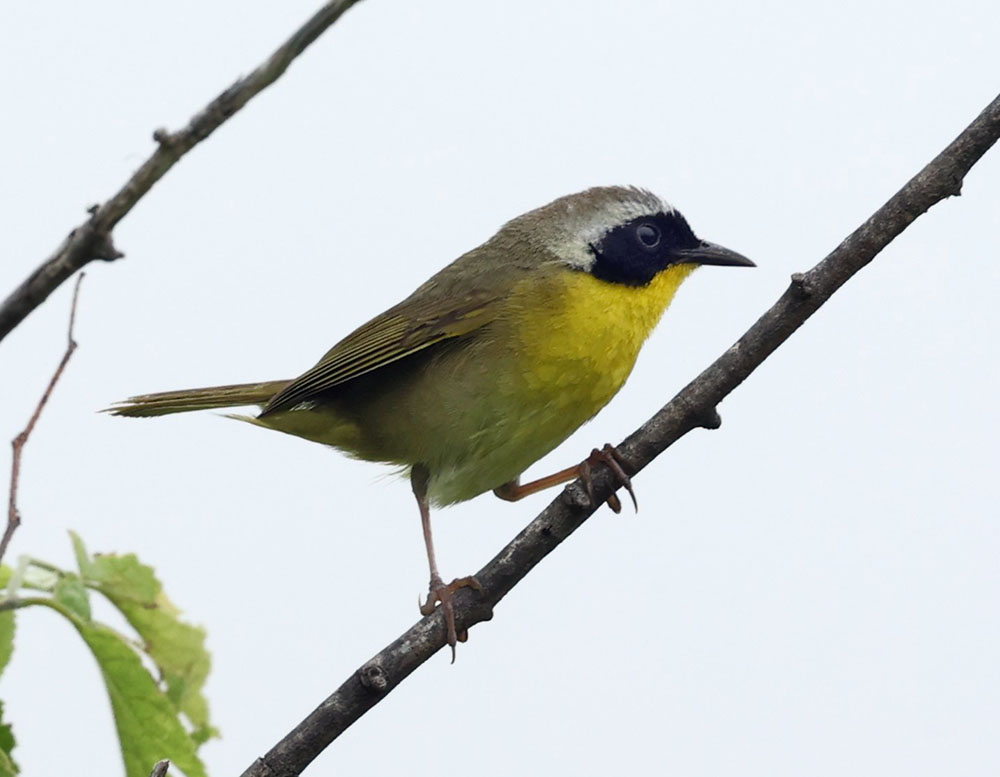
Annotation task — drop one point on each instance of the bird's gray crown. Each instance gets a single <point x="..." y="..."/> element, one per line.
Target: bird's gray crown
<point x="568" y="226"/>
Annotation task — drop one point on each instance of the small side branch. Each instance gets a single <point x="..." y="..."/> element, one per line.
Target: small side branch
<point x="18" y="443"/>
<point x="92" y="239"/>
<point x="692" y="408"/>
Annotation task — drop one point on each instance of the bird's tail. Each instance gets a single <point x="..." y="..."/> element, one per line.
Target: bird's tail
<point x="167" y="402"/>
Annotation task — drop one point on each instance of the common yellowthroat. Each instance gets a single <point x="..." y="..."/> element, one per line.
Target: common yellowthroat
<point x="492" y="362"/>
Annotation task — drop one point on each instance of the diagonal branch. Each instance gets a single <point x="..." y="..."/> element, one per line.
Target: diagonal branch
<point x="18" y="443"/>
<point x="92" y="239"/>
<point x="693" y="407"/>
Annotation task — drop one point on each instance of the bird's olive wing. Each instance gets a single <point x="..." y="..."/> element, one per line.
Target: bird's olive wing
<point x="397" y="333"/>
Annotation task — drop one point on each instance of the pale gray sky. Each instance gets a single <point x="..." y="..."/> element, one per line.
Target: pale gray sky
<point x="812" y="589"/>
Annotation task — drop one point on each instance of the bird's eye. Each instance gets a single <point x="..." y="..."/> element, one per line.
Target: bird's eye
<point x="648" y="235"/>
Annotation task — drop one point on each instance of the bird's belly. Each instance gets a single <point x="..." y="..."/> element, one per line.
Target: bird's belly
<point x="516" y="426"/>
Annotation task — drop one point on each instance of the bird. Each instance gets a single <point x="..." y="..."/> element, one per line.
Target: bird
<point x="492" y="362"/>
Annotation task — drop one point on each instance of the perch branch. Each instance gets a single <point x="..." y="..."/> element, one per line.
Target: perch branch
<point x="18" y="443"/>
<point x="692" y="408"/>
<point x="92" y="239"/>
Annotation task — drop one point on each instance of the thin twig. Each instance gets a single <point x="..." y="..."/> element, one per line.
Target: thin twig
<point x="92" y="239"/>
<point x="694" y="407"/>
<point x="18" y="443"/>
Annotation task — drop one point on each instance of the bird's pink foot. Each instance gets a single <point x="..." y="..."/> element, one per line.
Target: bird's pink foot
<point x="439" y="592"/>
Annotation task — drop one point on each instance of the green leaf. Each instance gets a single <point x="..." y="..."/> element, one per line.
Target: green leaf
<point x="177" y="648"/>
<point x="40" y="578"/>
<point x="147" y="708"/>
<point x="148" y="727"/>
<point x="80" y="551"/>
<point x="6" y="640"/>
<point x="8" y="767"/>
<point x="124" y="578"/>
<point x="69" y="592"/>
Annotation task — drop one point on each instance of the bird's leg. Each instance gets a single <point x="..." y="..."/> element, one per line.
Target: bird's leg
<point x="515" y="490"/>
<point x="609" y="455"/>
<point x="439" y="592"/>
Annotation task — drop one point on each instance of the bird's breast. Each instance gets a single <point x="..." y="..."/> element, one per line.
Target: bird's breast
<point x="578" y="337"/>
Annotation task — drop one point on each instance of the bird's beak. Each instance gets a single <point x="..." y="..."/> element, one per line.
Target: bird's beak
<point x="710" y="253"/>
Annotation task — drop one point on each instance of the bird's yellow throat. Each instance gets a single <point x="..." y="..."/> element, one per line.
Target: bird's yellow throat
<point x="590" y="331"/>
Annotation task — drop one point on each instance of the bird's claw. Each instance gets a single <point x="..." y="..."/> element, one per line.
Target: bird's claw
<point x="610" y="456"/>
<point x="439" y="592"/>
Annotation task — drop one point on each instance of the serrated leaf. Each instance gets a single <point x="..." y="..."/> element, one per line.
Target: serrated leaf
<point x="8" y="767"/>
<point x="177" y="648"/>
<point x="70" y="593"/>
<point x="148" y="727"/>
<point x="125" y="578"/>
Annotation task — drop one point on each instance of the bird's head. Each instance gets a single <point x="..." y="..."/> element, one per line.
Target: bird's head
<point x="619" y="234"/>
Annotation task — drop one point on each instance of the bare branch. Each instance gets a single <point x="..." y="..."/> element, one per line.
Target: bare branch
<point x="18" y="443"/>
<point x="692" y="408"/>
<point x="92" y="239"/>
